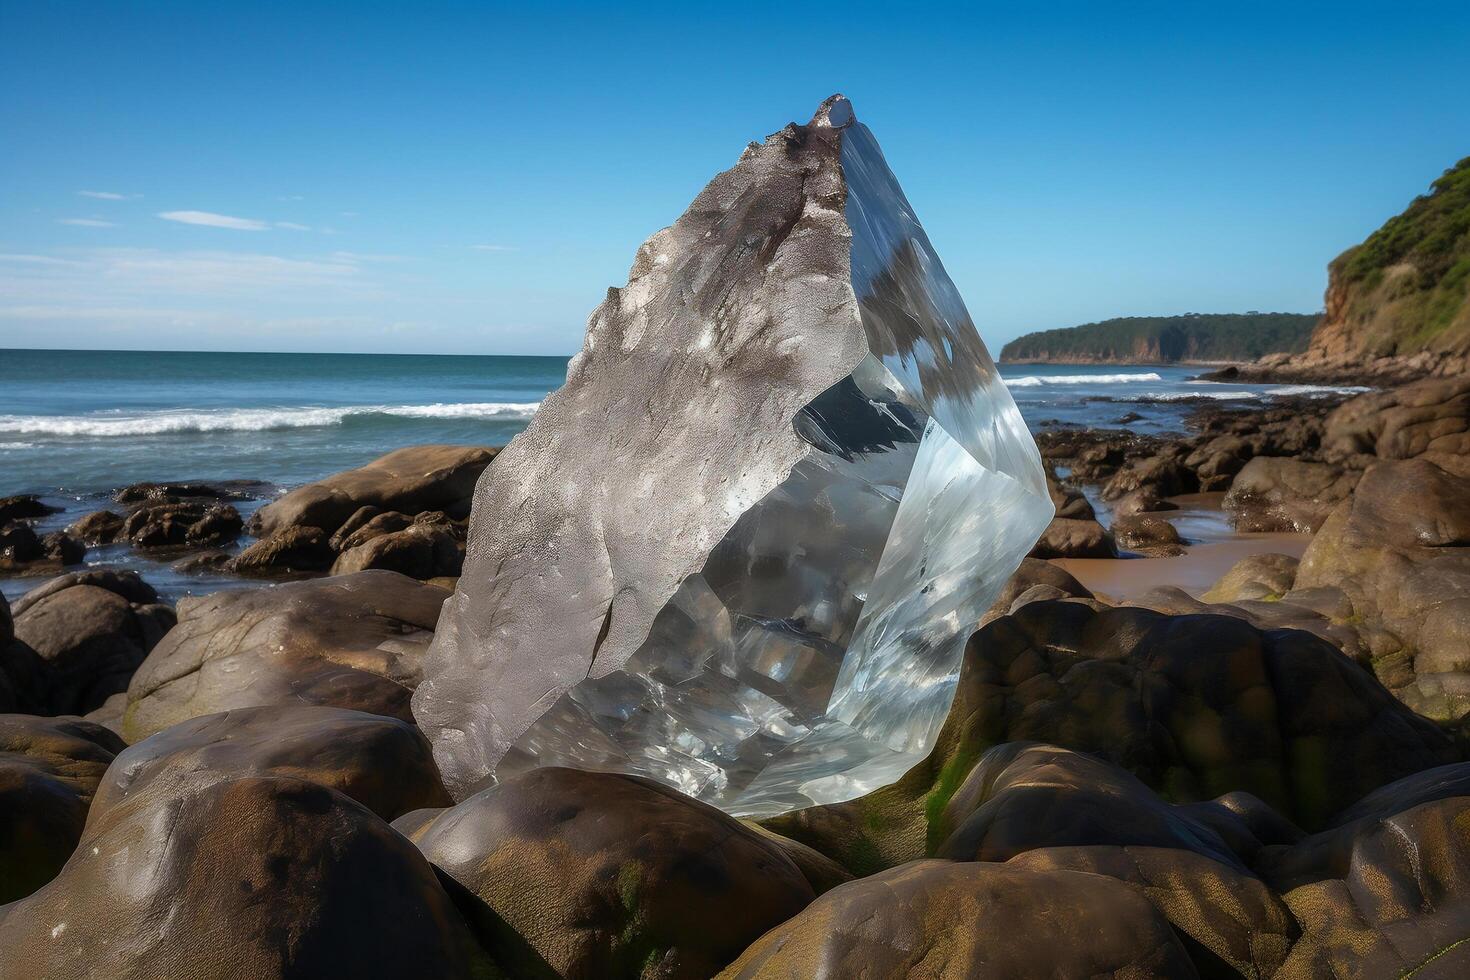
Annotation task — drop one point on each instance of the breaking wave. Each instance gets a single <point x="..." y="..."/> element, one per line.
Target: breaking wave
<point x="1036" y="381"/>
<point x="246" y="419"/>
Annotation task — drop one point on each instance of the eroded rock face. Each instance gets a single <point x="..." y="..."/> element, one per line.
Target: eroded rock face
<point x="49" y="771"/>
<point x="411" y="480"/>
<point x="91" y="631"/>
<point x="1400" y="551"/>
<point x="354" y="641"/>
<point x="1194" y="706"/>
<point x="752" y="575"/>
<point x="383" y="763"/>
<point x="608" y="875"/>
<point x="1428" y="419"/>
<point x="251" y="877"/>
<point x="940" y="918"/>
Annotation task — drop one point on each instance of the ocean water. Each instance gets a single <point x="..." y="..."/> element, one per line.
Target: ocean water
<point x="77" y="425"/>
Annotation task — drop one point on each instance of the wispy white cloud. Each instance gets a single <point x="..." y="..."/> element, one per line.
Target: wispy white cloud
<point x="121" y="276"/>
<point x="212" y="220"/>
<point x="494" y="248"/>
<point x="87" y="222"/>
<point x="107" y="195"/>
<point x="348" y="214"/>
<point x="290" y="197"/>
<point x="292" y="226"/>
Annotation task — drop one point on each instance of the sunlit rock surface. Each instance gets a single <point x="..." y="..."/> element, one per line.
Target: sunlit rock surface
<point x="741" y="549"/>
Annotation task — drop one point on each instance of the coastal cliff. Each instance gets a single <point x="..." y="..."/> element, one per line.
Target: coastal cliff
<point x="1397" y="305"/>
<point x="1197" y="337"/>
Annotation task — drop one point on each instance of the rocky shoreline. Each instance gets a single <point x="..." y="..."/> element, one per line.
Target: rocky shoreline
<point x="1268" y="779"/>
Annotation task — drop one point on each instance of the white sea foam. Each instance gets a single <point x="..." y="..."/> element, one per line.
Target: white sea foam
<point x="106" y="424"/>
<point x="1036" y="381"/>
<point x="1184" y="396"/>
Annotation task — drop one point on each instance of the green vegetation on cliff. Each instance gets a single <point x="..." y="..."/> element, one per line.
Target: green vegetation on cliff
<point x="1407" y="284"/>
<point x="1166" y="339"/>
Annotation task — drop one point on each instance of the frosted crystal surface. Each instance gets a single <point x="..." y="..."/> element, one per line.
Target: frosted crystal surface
<point x="742" y="549"/>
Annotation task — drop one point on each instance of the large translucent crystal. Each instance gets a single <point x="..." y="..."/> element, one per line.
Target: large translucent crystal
<point x="741" y="550"/>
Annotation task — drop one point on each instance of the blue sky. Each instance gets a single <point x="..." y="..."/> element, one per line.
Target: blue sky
<point x="442" y="177"/>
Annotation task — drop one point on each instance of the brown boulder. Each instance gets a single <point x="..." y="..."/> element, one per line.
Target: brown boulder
<point x="1429" y="419"/>
<point x="290" y="551"/>
<point x="410" y="480"/>
<point x="24" y="507"/>
<point x="1024" y="795"/>
<point x="49" y="770"/>
<point x="1068" y="538"/>
<point x="268" y="878"/>
<point x="1266" y="576"/>
<point x="1164" y="474"/>
<point x="1230" y="922"/>
<point x="1033" y="572"/>
<point x="608" y="875"/>
<point x="948" y="919"/>
<point x="355" y="641"/>
<point x="368" y="523"/>
<point x="423" y="550"/>
<point x="98" y="527"/>
<point x="1286" y="494"/>
<point x="177" y="524"/>
<point x="1385" y="896"/>
<point x="91" y="631"/>
<point x="1148" y="534"/>
<point x="1145" y="500"/>
<point x="1400" y="551"/>
<point x="383" y="763"/>
<point x="1194" y="706"/>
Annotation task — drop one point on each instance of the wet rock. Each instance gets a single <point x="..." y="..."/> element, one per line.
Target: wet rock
<point x="383" y="763"/>
<point x="1147" y="533"/>
<point x="90" y="636"/>
<point x="1266" y="576"/>
<point x="19" y="545"/>
<point x="1216" y="462"/>
<point x="138" y="493"/>
<point x="1067" y="538"/>
<point x="291" y="551"/>
<point x="1400" y="551"/>
<point x="412" y="480"/>
<point x="354" y="641"/>
<point x="1194" y="706"/>
<point x="98" y="527"/>
<point x="49" y="770"/>
<point x="941" y="918"/>
<point x="175" y="524"/>
<point x="1164" y="474"/>
<point x="1284" y="494"/>
<point x="423" y="550"/>
<point x="610" y="875"/>
<point x="1144" y="500"/>
<point x="24" y="507"/>
<point x="1069" y="503"/>
<point x="359" y="531"/>
<point x="251" y="877"/>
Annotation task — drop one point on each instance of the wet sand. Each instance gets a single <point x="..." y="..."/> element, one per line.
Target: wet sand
<point x="1212" y="546"/>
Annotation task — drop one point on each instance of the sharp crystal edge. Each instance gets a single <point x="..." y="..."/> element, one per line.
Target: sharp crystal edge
<point x="741" y="549"/>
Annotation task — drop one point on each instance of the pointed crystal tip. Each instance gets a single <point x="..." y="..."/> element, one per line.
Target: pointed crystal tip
<point x="836" y="112"/>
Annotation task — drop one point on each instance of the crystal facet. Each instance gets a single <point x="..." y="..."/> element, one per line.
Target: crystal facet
<point x="741" y="550"/>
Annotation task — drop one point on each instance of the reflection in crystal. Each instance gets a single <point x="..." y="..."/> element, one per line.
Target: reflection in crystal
<point x="813" y="655"/>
